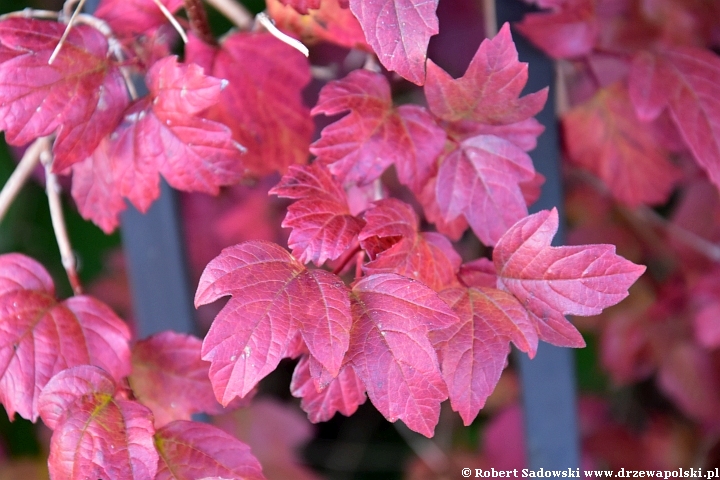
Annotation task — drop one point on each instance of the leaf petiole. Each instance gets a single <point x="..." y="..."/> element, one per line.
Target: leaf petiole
<point x="20" y="175"/>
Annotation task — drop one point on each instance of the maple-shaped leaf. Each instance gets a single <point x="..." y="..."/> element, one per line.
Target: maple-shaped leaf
<point x="80" y="96"/>
<point x="133" y="17"/>
<point x="344" y="394"/>
<point x="604" y="136"/>
<point x="41" y="336"/>
<point x="325" y="20"/>
<point x="555" y="281"/>
<point x="399" y="31"/>
<point x="374" y="135"/>
<point x="478" y="273"/>
<point x="427" y="197"/>
<point x="160" y="134"/>
<point x="683" y="80"/>
<point x="473" y="352"/>
<point x="390" y="350"/>
<point x="480" y="180"/>
<point x="489" y="92"/>
<point x="570" y="30"/>
<point x="262" y="103"/>
<point x="190" y="450"/>
<point x="169" y="377"/>
<point x="320" y="219"/>
<point x="394" y="244"/>
<point x="273" y="298"/>
<point x="98" y="435"/>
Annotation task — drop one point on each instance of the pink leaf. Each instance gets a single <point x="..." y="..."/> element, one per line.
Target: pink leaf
<point x="395" y="246"/>
<point x="322" y="226"/>
<point x="262" y="103"/>
<point x="302" y="6"/>
<point x="683" y="79"/>
<point x="98" y="436"/>
<point x="374" y="135"/>
<point x="473" y="352"/>
<point x="490" y="89"/>
<point x="480" y="180"/>
<point x="81" y="95"/>
<point x="273" y="297"/>
<point x="390" y="350"/>
<point x="191" y="450"/>
<point x="132" y="17"/>
<point x="554" y="281"/>
<point x="399" y="31"/>
<point x="478" y="273"/>
<point x="41" y="336"/>
<point x="344" y="394"/>
<point x="170" y="378"/>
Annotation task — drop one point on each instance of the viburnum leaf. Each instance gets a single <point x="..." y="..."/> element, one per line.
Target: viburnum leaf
<point x="160" y="134"/>
<point x="604" y="136"/>
<point x="132" y="17"/>
<point x="683" y="80"/>
<point x="80" y="96"/>
<point x="489" y="92"/>
<point x="399" y="31"/>
<point x="390" y="350"/>
<point x="99" y="435"/>
<point x="169" y="377"/>
<point x="344" y="394"/>
<point x="322" y="226"/>
<point x="302" y="6"/>
<point x="190" y="450"/>
<point x="374" y="135"/>
<point x="394" y="244"/>
<point x="480" y="180"/>
<point x="325" y="20"/>
<point x="478" y="273"/>
<point x="262" y="103"/>
<point x="554" y="281"/>
<point x="273" y="298"/>
<point x="569" y="30"/>
<point x="473" y="352"/>
<point x="41" y="336"/>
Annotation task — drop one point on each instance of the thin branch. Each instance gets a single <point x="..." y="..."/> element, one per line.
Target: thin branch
<point x="198" y="21"/>
<point x="490" y="18"/>
<point x="345" y="261"/>
<point x="426" y="449"/>
<point x="31" y="13"/>
<point x="55" y="53"/>
<point x="269" y="25"/>
<point x="173" y="21"/>
<point x="691" y="239"/>
<point x="233" y="11"/>
<point x="58" y="221"/>
<point x="22" y="172"/>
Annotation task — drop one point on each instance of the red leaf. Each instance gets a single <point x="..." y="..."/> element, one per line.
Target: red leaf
<point x="683" y="80"/>
<point x="490" y="89"/>
<point x="399" y="31"/>
<point x="273" y="297"/>
<point x="98" y="436"/>
<point x="390" y="350"/>
<point x="344" y="394"/>
<point x="170" y="378"/>
<point x="604" y="136"/>
<point x="473" y="352"/>
<point x="480" y="180"/>
<point x="262" y="103"/>
<point x="322" y="226"/>
<point x="428" y="199"/>
<point x="159" y="134"/>
<point x="81" y="95"/>
<point x="302" y="6"/>
<point x="360" y="146"/>
<point x="571" y="30"/>
<point x="554" y="281"/>
<point x="427" y="257"/>
<point x="132" y="17"/>
<point x="323" y="20"/>
<point x="478" y="273"/>
<point x="41" y="337"/>
<point x="191" y="450"/>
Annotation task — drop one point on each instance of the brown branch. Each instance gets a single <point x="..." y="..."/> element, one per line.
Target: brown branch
<point x="199" y="22"/>
<point x="235" y="12"/>
<point x="20" y="175"/>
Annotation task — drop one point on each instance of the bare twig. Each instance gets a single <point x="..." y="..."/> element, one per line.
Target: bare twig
<point x="22" y="172"/>
<point x="490" y="18"/>
<point x="198" y="21"/>
<point x="58" y="221"/>
<point x="425" y="449"/>
<point x="269" y="25"/>
<point x="691" y="239"/>
<point x="66" y="32"/>
<point x="173" y="21"/>
<point x="233" y="11"/>
<point x="31" y="13"/>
